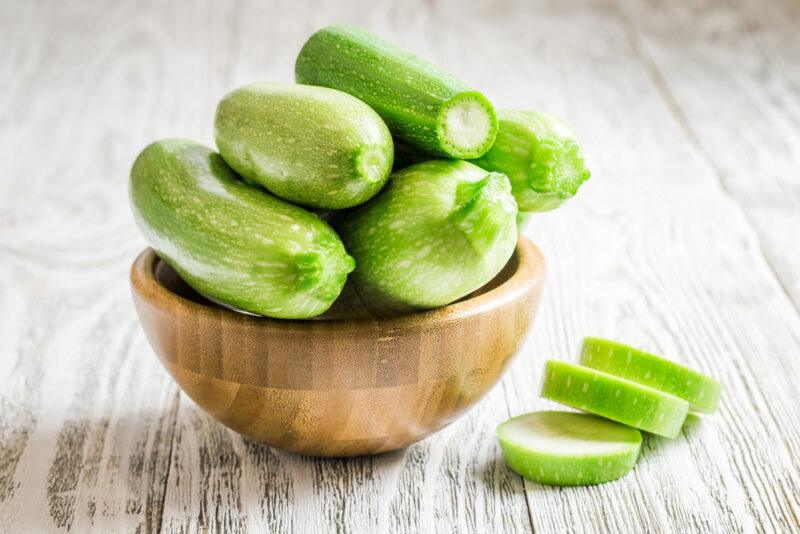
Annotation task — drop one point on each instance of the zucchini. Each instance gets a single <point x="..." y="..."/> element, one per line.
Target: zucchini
<point x="421" y="103"/>
<point x="615" y="398"/>
<point x="312" y="146"/>
<point x="541" y="157"/>
<point x="438" y="231"/>
<point x="701" y="391"/>
<point x="233" y="243"/>
<point x="568" y="449"/>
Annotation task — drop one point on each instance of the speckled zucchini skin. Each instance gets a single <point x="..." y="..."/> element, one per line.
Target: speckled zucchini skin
<point x="615" y="398"/>
<point x="438" y="231"/>
<point x="701" y="391"/>
<point x="409" y="92"/>
<point x="541" y="157"/>
<point x="312" y="146"/>
<point x="231" y="242"/>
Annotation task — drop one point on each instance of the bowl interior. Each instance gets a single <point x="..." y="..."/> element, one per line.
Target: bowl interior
<point x="170" y="280"/>
<point x="166" y="277"/>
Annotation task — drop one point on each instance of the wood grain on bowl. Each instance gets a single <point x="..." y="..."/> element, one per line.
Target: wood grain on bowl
<point x="338" y="387"/>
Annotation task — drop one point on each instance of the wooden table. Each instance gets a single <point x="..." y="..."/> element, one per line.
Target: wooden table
<point x="686" y="241"/>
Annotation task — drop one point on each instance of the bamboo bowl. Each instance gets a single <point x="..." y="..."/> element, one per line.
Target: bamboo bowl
<point x="338" y="387"/>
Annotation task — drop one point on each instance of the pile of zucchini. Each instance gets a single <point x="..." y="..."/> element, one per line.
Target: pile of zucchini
<point x="300" y="197"/>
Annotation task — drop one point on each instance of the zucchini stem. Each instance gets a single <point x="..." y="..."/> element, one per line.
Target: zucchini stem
<point x="371" y="163"/>
<point x="481" y="213"/>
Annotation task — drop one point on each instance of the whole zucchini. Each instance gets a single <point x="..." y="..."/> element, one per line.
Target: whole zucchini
<point x="541" y="157"/>
<point x="421" y="103"/>
<point x="231" y="242"/>
<point x="438" y="231"/>
<point x="313" y="146"/>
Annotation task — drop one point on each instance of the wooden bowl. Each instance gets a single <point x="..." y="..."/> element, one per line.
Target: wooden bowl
<point x="338" y="387"/>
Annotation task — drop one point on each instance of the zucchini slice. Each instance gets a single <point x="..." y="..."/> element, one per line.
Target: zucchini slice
<point x="613" y="397"/>
<point x="701" y="391"/>
<point x="568" y="449"/>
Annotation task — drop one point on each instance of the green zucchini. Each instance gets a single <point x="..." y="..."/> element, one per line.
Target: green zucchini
<point x="568" y="449"/>
<point x="615" y="398"/>
<point x="231" y="242"/>
<point x="541" y="157"/>
<point x="701" y="391"/>
<point x="421" y="103"/>
<point x="312" y="146"/>
<point x="438" y="231"/>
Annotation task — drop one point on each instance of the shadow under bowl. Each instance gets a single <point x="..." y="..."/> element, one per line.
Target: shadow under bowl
<point x="340" y="387"/>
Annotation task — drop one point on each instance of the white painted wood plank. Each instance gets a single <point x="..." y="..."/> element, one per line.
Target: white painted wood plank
<point x="732" y="72"/>
<point x="87" y="414"/>
<point x="451" y="482"/>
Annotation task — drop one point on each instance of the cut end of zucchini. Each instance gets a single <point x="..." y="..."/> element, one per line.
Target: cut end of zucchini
<point x="540" y="155"/>
<point x="569" y="434"/>
<point x="467" y="125"/>
<point x="557" y="168"/>
<point x="568" y="449"/>
<point x="484" y="211"/>
<point x="373" y="164"/>
<point x="555" y="173"/>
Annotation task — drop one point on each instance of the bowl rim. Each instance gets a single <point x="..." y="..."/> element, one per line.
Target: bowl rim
<point x="528" y="274"/>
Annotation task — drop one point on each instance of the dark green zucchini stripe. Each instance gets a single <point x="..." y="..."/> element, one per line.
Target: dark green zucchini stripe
<point x="438" y="231"/>
<point x="421" y="103"/>
<point x="541" y="157"/>
<point x="313" y="146"/>
<point x="231" y="242"/>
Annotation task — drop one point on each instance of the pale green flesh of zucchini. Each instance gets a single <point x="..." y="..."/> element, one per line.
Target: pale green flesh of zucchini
<point x="464" y="121"/>
<point x="568" y="449"/>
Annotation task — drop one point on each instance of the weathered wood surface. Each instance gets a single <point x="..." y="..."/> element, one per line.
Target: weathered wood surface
<point x="684" y="241"/>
